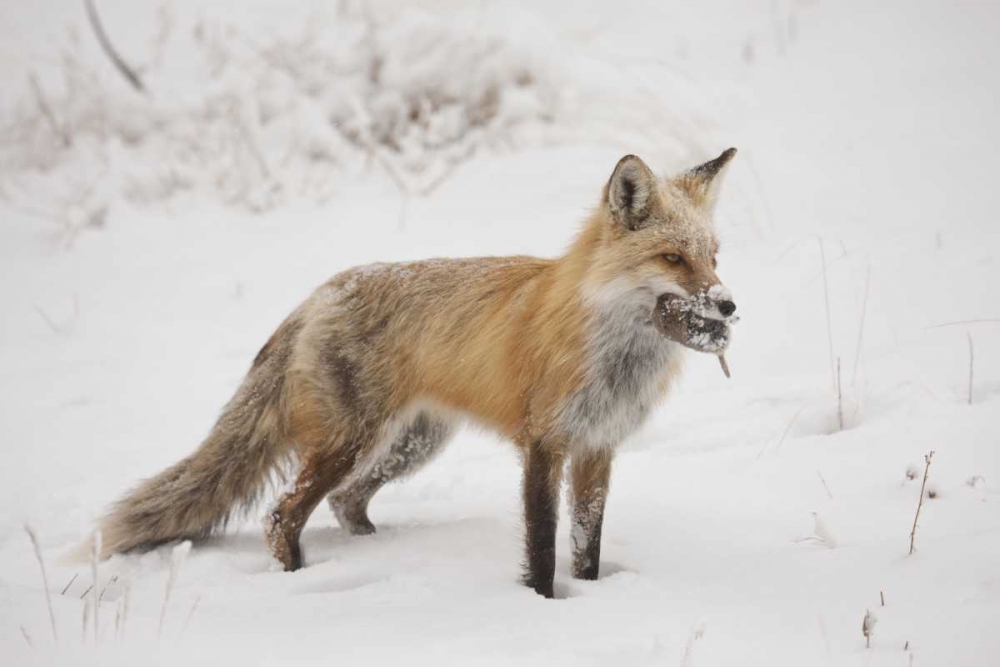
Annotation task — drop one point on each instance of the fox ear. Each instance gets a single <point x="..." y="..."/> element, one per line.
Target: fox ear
<point x="702" y="183"/>
<point x="631" y="192"/>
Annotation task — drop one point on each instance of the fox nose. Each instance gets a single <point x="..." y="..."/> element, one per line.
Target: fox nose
<point x="727" y="308"/>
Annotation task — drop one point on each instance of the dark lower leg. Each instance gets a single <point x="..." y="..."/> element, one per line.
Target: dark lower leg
<point x="285" y="522"/>
<point x="542" y="479"/>
<point x="591" y="474"/>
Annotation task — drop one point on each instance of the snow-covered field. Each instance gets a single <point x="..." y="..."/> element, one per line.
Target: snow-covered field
<point x="859" y="226"/>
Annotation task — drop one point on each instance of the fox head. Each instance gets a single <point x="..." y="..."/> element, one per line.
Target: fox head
<point x="655" y="238"/>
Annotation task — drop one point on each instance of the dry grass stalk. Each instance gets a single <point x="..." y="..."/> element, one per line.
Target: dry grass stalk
<point x="108" y="585"/>
<point x="190" y="615"/>
<point x="826" y="299"/>
<point x="45" y="109"/>
<point x="95" y="554"/>
<point x="86" y="620"/>
<point x="177" y="556"/>
<point x="825" y="487"/>
<point x="109" y="49"/>
<point x="121" y="616"/>
<point x="861" y="328"/>
<point x="868" y="627"/>
<point x="69" y="584"/>
<point x="920" y="504"/>
<point x="971" y="360"/>
<point x="840" y="399"/>
<point x="45" y="577"/>
<point x="784" y="433"/>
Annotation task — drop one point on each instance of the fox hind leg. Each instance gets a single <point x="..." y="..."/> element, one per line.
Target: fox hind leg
<point x="320" y="472"/>
<point x="417" y="444"/>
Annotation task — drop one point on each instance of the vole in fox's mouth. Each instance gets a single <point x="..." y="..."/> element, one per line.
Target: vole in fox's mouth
<point x="688" y="322"/>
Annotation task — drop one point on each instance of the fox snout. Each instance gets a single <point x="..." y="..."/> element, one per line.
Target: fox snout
<point x="694" y="321"/>
<point x="715" y="298"/>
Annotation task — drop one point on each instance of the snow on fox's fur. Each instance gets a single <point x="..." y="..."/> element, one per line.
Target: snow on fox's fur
<point x="367" y="378"/>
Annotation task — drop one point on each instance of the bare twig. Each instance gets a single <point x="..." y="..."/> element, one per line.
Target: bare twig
<point x="971" y="362"/>
<point x="109" y="50"/>
<point x="696" y="633"/>
<point x="121" y="617"/>
<point x="86" y="620"/>
<point x="108" y="585"/>
<point x="868" y="627"/>
<point x="927" y="468"/>
<point x="190" y="615"/>
<point x="840" y="399"/>
<point x="826" y="299"/>
<point x="95" y="553"/>
<point x="27" y="637"/>
<point x="69" y="584"/>
<point x="56" y="328"/>
<point x="958" y="322"/>
<point x="45" y="577"/>
<point x="861" y="327"/>
<point x="825" y="487"/>
<point x="177" y="556"/>
<point x="46" y="110"/>
<point x="785" y="433"/>
<point x="249" y="141"/>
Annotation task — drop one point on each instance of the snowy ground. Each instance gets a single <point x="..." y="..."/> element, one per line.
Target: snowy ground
<point x="867" y="136"/>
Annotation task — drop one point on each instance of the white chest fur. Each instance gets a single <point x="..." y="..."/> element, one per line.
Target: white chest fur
<point x="628" y="362"/>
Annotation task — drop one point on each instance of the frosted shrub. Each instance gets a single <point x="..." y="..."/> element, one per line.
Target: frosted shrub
<point x="256" y="121"/>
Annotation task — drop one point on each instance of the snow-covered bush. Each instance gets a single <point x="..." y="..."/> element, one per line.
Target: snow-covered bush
<point x="256" y="121"/>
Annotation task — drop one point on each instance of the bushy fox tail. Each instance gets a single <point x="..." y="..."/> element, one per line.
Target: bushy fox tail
<point x="198" y="495"/>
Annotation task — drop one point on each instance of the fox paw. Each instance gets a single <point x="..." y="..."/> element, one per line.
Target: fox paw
<point x="353" y="519"/>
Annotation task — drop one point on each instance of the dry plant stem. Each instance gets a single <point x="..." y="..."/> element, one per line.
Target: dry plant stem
<point x="861" y="327"/>
<point x="109" y="49"/>
<point x="840" y="399"/>
<point x="971" y="361"/>
<point x="46" y="110"/>
<point x="927" y="468"/>
<point x="86" y="620"/>
<point x="108" y="585"/>
<point x="45" y="577"/>
<point x="785" y="433"/>
<point x="826" y="300"/>
<point x="95" y="554"/>
<point x="27" y="637"/>
<point x="122" y="615"/>
<point x="868" y="627"/>
<point x="190" y="615"/>
<point x="69" y="584"/>
<point x="959" y="322"/>
<point x="825" y="487"/>
<point x="177" y="556"/>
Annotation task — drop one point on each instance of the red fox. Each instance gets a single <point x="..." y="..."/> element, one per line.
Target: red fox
<point x="366" y="380"/>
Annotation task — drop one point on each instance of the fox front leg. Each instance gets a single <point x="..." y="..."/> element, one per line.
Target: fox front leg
<point x="590" y="477"/>
<point x="543" y="468"/>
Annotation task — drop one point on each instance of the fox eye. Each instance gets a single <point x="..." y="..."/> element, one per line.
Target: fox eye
<point x="673" y="258"/>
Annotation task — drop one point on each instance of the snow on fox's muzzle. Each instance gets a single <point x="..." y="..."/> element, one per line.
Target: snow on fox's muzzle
<point x="700" y="322"/>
